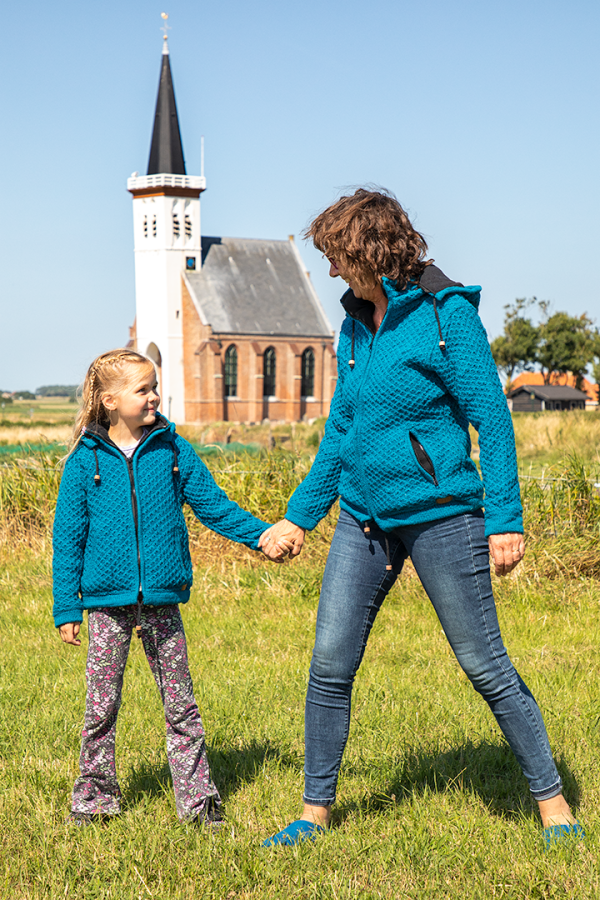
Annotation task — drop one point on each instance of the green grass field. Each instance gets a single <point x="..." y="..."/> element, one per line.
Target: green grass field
<point x="431" y="801"/>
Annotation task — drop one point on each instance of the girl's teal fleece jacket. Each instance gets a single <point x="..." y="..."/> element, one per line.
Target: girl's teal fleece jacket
<point x="119" y="532"/>
<point x="396" y="448"/>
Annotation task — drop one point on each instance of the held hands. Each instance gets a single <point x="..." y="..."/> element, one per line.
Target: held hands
<point x="507" y="551"/>
<point x="69" y="632"/>
<point x="281" y="540"/>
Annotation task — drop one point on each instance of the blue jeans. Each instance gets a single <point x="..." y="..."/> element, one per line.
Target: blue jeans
<point x="451" y="558"/>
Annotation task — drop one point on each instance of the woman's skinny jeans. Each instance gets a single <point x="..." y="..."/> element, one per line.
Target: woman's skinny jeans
<point x="451" y="558"/>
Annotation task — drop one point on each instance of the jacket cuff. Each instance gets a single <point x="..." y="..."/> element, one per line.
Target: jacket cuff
<point x="301" y="519"/>
<point x="75" y="614"/>
<point x="500" y="525"/>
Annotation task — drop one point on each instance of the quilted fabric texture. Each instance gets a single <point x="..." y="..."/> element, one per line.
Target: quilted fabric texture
<point x="404" y="383"/>
<point x="128" y="530"/>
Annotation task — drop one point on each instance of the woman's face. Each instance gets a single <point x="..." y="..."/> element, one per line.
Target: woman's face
<point x="359" y="287"/>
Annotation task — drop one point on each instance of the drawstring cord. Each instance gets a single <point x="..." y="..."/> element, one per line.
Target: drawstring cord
<point x="367" y="530"/>
<point x="176" y="460"/>
<point x="97" y="475"/>
<point x="442" y="344"/>
<point x="138" y="616"/>
<point x="351" y="360"/>
<point x="388" y="567"/>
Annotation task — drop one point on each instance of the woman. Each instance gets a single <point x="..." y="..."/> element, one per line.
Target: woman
<point x="414" y="369"/>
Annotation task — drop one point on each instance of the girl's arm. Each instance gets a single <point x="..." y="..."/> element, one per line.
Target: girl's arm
<point x="68" y="542"/>
<point x="210" y="503"/>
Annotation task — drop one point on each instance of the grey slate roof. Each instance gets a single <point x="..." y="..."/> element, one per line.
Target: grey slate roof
<point x="256" y="287"/>
<point x="550" y="392"/>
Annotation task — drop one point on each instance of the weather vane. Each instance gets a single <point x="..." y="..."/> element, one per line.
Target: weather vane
<point x="165" y="27"/>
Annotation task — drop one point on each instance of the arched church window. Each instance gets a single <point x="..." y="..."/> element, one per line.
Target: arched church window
<point x="176" y="227"/>
<point x="307" y="388"/>
<point x="154" y="226"/>
<point x="269" y="370"/>
<point x="188" y="227"/>
<point x="231" y="365"/>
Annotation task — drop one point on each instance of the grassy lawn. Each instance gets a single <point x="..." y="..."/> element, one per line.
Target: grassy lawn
<point x="431" y="802"/>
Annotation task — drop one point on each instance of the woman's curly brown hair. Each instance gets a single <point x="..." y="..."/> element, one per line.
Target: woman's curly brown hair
<point x="370" y="231"/>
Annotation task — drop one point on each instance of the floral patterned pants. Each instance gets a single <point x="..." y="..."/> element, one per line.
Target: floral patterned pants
<point x="97" y="789"/>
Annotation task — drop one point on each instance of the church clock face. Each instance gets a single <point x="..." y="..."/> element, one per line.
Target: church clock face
<point x="190" y="263"/>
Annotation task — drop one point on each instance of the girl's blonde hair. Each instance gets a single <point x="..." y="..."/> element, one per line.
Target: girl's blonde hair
<point x="110" y="372"/>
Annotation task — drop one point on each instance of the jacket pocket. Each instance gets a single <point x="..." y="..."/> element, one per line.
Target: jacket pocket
<point x="423" y="458"/>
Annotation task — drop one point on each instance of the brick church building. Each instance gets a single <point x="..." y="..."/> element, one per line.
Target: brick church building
<point x="234" y="325"/>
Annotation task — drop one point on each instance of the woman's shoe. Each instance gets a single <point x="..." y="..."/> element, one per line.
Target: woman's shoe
<point x="295" y="833"/>
<point x="560" y="834"/>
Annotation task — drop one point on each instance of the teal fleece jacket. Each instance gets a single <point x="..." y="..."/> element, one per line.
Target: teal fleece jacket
<point x="396" y="448"/>
<point x="119" y="530"/>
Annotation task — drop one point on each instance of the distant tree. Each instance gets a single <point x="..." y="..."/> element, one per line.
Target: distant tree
<point x="516" y="349"/>
<point x="567" y="344"/>
<point x="23" y="395"/>
<point x="57" y="390"/>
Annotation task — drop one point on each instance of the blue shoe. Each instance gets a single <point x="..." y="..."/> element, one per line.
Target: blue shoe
<point x="298" y="831"/>
<point x="560" y="834"/>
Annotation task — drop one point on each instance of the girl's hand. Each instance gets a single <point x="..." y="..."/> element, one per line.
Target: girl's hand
<point x="276" y="552"/>
<point x="69" y="632"/>
<point x="507" y="551"/>
<point x="282" y="535"/>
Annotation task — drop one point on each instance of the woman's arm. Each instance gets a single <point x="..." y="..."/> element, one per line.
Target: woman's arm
<point x="316" y="494"/>
<point x="471" y="376"/>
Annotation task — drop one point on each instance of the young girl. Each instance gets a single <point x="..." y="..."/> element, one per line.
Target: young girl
<point x="121" y="552"/>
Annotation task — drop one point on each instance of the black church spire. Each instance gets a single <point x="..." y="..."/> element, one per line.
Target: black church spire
<point x="166" y="150"/>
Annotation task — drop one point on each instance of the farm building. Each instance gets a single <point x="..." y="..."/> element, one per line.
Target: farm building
<point x="566" y="379"/>
<point x="234" y="326"/>
<point x="538" y="398"/>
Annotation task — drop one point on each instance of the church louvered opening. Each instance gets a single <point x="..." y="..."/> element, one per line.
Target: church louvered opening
<point x="176" y="227"/>
<point x="188" y="227"/>
<point x="230" y="373"/>
<point x="307" y="388"/>
<point x="269" y="372"/>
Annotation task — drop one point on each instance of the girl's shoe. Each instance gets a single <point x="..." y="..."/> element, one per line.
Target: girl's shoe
<point x="295" y="833"/>
<point x="82" y="820"/>
<point x="211" y="817"/>
<point x="561" y="834"/>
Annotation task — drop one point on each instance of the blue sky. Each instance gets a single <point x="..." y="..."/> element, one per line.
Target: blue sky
<point x="482" y="117"/>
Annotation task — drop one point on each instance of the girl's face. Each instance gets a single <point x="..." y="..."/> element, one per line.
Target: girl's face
<point x="136" y="403"/>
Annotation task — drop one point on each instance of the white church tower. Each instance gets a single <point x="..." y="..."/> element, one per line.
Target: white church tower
<point x="166" y="227"/>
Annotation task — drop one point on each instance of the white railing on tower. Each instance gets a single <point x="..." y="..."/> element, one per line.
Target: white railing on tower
<point x="163" y="179"/>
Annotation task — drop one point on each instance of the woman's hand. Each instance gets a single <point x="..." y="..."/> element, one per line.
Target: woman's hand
<point x="69" y="632"/>
<point x="283" y="536"/>
<point x="507" y="551"/>
<point x="276" y="552"/>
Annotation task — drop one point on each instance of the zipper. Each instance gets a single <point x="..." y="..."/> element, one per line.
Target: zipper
<point x="359" y="405"/>
<point x="423" y="457"/>
<point x="134" y="505"/>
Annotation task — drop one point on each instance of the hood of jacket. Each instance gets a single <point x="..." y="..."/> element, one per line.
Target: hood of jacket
<point x="433" y="284"/>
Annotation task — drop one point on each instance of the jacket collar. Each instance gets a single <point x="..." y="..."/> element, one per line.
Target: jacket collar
<point x="96" y="433"/>
<point x="432" y="282"/>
